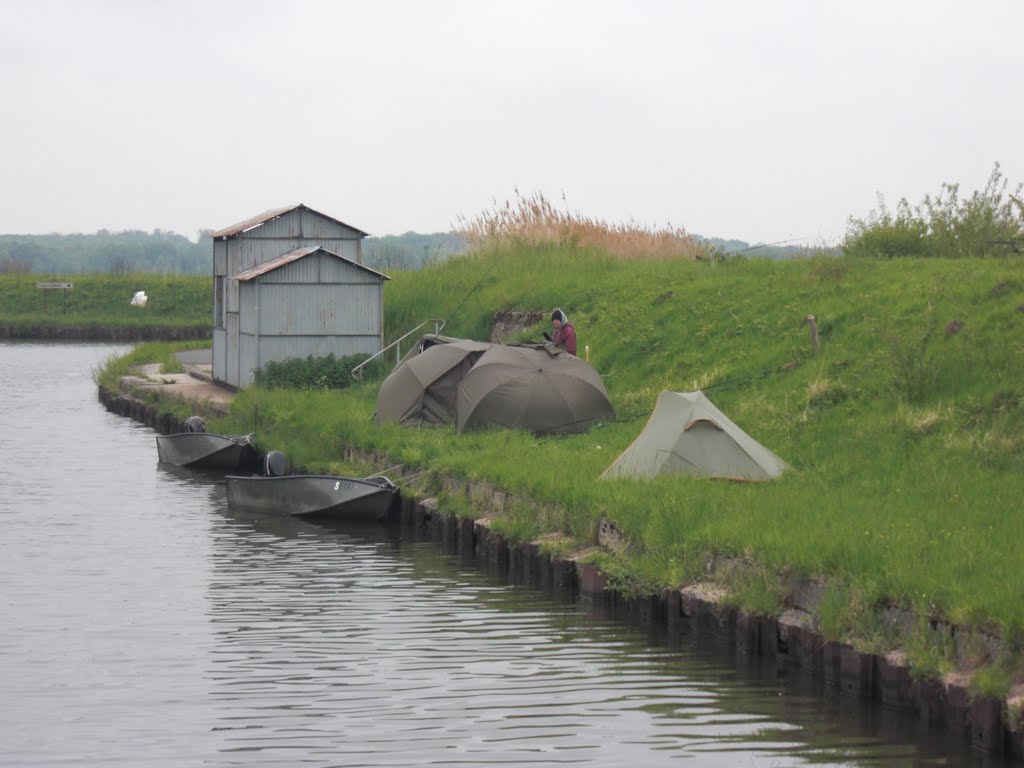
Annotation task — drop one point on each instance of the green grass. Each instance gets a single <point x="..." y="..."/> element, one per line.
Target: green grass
<point x="905" y="443"/>
<point x="100" y="300"/>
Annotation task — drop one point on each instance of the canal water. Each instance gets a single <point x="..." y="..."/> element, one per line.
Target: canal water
<point x="143" y="623"/>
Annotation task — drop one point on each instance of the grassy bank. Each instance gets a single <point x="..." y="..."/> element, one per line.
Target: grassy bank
<point x="101" y="301"/>
<point x="904" y="437"/>
<point x="904" y="432"/>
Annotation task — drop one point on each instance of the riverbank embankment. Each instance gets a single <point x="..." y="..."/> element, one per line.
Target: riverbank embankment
<point x="85" y="333"/>
<point x="100" y="307"/>
<point x="704" y="608"/>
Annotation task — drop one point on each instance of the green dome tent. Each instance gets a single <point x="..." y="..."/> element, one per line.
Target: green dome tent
<point x="532" y="386"/>
<point x="422" y="389"/>
<point x="688" y="435"/>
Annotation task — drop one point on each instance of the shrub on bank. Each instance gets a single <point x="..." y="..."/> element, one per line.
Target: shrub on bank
<point x="312" y="372"/>
<point x="988" y="222"/>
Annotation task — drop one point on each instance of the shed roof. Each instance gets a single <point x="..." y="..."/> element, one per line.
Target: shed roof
<point x="299" y="253"/>
<point x="263" y="218"/>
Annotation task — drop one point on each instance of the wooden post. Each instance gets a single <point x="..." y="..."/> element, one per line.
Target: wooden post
<point x="814" y="332"/>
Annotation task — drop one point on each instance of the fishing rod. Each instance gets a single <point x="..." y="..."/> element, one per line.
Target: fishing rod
<point x="411" y="478"/>
<point x="472" y="291"/>
<point x="770" y="245"/>
<point x="745" y="378"/>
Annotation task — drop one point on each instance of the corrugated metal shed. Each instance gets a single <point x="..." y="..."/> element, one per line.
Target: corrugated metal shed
<point x="290" y="283"/>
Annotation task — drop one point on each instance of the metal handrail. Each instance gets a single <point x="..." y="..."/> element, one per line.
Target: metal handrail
<point x="438" y="325"/>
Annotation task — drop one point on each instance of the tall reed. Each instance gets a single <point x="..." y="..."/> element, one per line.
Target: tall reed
<point x="533" y="220"/>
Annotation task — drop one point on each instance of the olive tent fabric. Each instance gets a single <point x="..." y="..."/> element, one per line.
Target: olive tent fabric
<point x="688" y="435"/>
<point x="536" y="387"/>
<point x="425" y="342"/>
<point x="422" y="389"/>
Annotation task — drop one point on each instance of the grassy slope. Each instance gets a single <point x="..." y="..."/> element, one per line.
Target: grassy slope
<point x="905" y="443"/>
<point x="105" y="300"/>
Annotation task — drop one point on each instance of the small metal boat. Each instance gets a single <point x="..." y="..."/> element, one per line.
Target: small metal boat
<point x="345" y="498"/>
<point x="198" y="449"/>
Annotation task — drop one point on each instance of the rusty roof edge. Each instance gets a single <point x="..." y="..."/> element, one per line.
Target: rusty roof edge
<point x="275" y="263"/>
<point x="253" y="222"/>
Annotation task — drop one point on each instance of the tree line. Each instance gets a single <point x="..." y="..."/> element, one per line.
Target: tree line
<point x="164" y="252"/>
<point x="115" y="253"/>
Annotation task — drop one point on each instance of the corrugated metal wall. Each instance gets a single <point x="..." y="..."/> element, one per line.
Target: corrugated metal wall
<point x="220" y="360"/>
<point x="320" y="268"/>
<point x="248" y="357"/>
<point x="220" y="257"/>
<point x="314" y="310"/>
<point x="231" y="335"/>
<point x="334" y="271"/>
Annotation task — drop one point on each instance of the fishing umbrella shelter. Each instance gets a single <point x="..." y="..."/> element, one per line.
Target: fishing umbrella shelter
<point x="428" y="340"/>
<point x="688" y="435"/>
<point x="422" y="389"/>
<point x="539" y="388"/>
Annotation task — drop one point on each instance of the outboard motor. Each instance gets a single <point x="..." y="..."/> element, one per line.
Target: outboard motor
<point x="195" y="424"/>
<point x="274" y="464"/>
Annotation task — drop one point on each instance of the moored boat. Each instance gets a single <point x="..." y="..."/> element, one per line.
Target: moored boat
<point x="198" y="449"/>
<point x="353" y="499"/>
<point x="349" y="498"/>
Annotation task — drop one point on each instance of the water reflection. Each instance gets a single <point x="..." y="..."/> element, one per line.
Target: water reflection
<point x="369" y="646"/>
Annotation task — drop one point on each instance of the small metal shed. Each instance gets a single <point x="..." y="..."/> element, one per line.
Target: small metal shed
<point x="309" y="301"/>
<point x="263" y="239"/>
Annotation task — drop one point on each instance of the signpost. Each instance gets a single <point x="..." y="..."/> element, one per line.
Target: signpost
<point x="64" y="293"/>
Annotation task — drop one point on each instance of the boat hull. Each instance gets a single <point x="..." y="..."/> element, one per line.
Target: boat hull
<point x="204" y="450"/>
<point x="343" y="498"/>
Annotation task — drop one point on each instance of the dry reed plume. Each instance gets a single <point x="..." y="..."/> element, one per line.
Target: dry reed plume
<point x="533" y="220"/>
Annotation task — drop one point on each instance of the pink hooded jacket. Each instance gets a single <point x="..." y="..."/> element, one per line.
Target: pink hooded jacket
<point x="565" y="335"/>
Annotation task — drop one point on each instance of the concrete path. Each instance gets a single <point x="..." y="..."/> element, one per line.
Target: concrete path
<point x="195" y="383"/>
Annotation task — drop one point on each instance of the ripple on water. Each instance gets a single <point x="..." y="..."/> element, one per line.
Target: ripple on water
<point x="146" y="624"/>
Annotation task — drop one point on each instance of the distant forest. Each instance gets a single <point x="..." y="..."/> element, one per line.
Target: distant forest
<point x="760" y="250"/>
<point x="113" y="252"/>
<point x="170" y="253"/>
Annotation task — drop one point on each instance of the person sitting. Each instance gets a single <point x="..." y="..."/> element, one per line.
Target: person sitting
<point x="565" y="334"/>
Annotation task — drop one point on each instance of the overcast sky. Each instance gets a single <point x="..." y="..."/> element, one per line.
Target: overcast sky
<point x="762" y="121"/>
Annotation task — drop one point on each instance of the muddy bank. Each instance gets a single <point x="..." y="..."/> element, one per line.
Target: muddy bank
<point x="699" y="610"/>
<point x="104" y="333"/>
